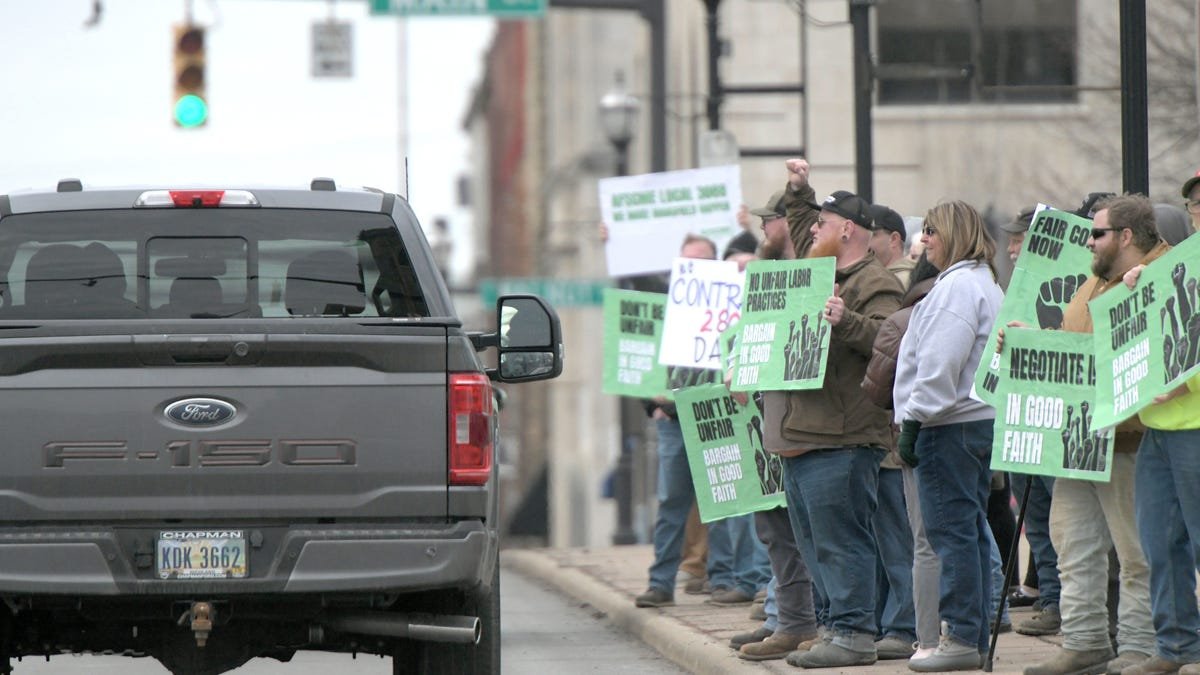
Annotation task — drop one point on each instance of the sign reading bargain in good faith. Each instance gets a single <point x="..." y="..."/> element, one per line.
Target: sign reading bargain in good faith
<point x="703" y="300"/>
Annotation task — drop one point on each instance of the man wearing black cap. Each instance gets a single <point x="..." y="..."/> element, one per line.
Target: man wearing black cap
<point x="1016" y="229"/>
<point x="888" y="242"/>
<point x="832" y="440"/>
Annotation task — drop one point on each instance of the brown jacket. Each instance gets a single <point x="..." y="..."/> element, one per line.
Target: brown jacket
<point x="881" y="369"/>
<point x="839" y="414"/>
<point x="1078" y="319"/>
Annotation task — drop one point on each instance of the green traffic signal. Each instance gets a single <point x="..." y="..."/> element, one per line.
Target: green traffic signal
<point x="190" y="111"/>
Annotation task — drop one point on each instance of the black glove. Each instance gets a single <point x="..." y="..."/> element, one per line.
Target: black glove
<point x="906" y="442"/>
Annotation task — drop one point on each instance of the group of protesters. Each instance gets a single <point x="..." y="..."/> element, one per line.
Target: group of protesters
<point x="884" y="549"/>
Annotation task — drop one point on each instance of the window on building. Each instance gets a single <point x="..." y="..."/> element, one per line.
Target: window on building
<point x="984" y="51"/>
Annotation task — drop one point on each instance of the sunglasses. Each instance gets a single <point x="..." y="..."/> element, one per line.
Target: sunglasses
<point x="1099" y="232"/>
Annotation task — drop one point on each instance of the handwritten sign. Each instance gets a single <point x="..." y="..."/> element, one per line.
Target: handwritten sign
<point x="704" y="298"/>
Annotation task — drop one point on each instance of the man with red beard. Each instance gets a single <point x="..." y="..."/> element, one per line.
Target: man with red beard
<point x="833" y="438"/>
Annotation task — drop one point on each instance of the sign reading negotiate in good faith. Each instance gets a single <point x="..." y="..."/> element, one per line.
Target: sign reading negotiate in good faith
<point x="633" y="322"/>
<point x="1147" y="340"/>
<point x="783" y="339"/>
<point x="1053" y="264"/>
<point x="1045" y="409"/>
<point x="733" y="473"/>
<point x="704" y="299"/>
<point x="649" y="215"/>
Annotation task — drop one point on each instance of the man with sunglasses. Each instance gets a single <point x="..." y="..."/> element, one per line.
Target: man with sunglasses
<point x="1087" y="518"/>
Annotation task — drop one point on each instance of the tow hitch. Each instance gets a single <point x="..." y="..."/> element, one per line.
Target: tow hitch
<point x="201" y="617"/>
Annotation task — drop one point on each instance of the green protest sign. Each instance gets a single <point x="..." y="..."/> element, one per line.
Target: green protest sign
<point x="1053" y="264"/>
<point x="1045" y="407"/>
<point x="1148" y="338"/>
<point x="632" y="328"/>
<point x="732" y="472"/>
<point x="783" y="339"/>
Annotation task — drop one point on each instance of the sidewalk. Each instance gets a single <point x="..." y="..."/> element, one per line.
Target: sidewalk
<point x="695" y="635"/>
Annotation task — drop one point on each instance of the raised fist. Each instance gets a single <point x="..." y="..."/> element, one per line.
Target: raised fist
<point x="1053" y="295"/>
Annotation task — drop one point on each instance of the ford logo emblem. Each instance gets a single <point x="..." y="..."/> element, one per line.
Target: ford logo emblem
<point x="200" y="412"/>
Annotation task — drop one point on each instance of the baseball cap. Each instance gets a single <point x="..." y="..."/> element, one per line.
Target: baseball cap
<point x="1088" y="208"/>
<point x="847" y="205"/>
<point x="1021" y="223"/>
<point x="773" y="209"/>
<point x="743" y="243"/>
<point x="887" y="219"/>
<point x="1191" y="183"/>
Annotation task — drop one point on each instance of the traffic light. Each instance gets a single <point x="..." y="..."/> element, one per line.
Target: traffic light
<point x="190" y="105"/>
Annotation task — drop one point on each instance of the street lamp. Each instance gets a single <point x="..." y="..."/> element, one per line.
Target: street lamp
<point x="618" y="117"/>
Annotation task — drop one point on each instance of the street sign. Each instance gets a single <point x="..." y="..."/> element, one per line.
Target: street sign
<point x="332" y="49"/>
<point x="505" y="9"/>
<point x="558" y="292"/>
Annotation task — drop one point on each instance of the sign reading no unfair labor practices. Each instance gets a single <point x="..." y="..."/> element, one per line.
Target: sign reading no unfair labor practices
<point x="649" y="215"/>
<point x="1045" y="407"/>
<point x="733" y="473"/>
<point x="1053" y="264"/>
<point x="704" y="298"/>
<point x="783" y="339"/>
<point x="1147" y="339"/>
<point x="633" y="322"/>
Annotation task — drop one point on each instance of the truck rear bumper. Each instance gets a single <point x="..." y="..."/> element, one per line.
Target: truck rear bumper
<point x="316" y="559"/>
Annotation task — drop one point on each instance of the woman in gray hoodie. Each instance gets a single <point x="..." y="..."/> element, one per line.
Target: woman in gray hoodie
<point x="944" y="432"/>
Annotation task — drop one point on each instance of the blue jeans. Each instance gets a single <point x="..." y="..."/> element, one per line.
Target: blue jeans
<point x="1167" y="497"/>
<point x="675" y="496"/>
<point x="831" y="497"/>
<point x="894" y="598"/>
<point x="771" y="607"/>
<point x="954" y="481"/>
<point x="736" y="558"/>
<point x="1037" y="533"/>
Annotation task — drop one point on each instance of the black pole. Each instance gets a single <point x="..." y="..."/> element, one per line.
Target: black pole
<point x="1009" y="574"/>
<point x="655" y="14"/>
<point x="632" y="420"/>
<point x="715" y="93"/>
<point x="860" y="20"/>
<point x="1135" y="122"/>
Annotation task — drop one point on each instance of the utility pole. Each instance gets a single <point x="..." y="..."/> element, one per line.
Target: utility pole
<point x="1135" y="120"/>
<point x="860" y="20"/>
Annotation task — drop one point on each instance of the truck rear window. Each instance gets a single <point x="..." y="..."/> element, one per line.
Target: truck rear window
<point x="205" y="263"/>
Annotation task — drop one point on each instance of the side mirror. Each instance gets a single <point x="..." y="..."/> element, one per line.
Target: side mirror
<point x="530" y="339"/>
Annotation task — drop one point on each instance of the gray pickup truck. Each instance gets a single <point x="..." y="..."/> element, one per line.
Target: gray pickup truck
<point x="240" y="423"/>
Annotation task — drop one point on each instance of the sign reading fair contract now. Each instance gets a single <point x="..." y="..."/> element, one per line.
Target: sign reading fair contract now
<point x="649" y="216"/>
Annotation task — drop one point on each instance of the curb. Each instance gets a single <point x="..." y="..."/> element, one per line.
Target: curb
<point x="674" y="640"/>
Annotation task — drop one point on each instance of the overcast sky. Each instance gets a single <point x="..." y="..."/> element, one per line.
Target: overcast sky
<point x="95" y="103"/>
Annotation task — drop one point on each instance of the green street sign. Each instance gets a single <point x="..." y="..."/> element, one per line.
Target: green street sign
<point x="499" y="8"/>
<point x="558" y="292"/>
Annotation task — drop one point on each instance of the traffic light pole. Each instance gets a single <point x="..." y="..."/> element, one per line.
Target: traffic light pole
<point x="1135" y="120"/>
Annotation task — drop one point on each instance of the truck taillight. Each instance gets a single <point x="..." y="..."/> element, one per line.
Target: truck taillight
<point x="470" y="460"/>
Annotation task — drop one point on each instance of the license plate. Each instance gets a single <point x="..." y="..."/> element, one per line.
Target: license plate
<point x="201" y="554"/>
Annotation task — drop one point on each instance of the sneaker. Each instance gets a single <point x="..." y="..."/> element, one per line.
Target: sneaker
<point x="1022" y="597"/>
<point x="921" y="653"/>
<point x="1046" y="622"/>
<point x="654" y="597"/>
<point x="777" y="646"/>
<point x="757" y="635"/>
<point x="729" y="597"/>
<point x="1072" y="662"/>
<point x="1155" y="665"/>
<point x="758" y="612"/>
<point x="829" y="655"/>
<point x="1126" y="659"/>
<point x="949" y="655"/>
<point x="892" y="648"/>
<point x="697" y="586"/>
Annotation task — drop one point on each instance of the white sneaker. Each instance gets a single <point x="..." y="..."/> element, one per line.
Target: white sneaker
<point x="921" y="652"/>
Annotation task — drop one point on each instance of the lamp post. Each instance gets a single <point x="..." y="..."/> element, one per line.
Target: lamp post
<point x="618" y="117"/>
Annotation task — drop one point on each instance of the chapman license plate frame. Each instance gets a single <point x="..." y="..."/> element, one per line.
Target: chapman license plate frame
<point x="201" y="554"/>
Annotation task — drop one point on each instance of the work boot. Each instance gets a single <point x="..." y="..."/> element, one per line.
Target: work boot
<point x="777" y="646"/>
<point x="829" y="655"/>
<point x="697" y="586"/>
<point x="891" y="648"/>
<point x="758" y="612"/>
<point x="1190" y="669"/>
<point x="1071" y="662"/>
<point x="1124" y="660"/>
<point x="729" y="597"/>
<point x="757" y="635"/>
<point x="1155" y="665"/>
<point x="1046" y="622"/>
<point x="949" y="655"/>
<point x="654" y="597"/>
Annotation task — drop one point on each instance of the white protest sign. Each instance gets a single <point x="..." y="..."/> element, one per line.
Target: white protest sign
<point x="649" y="215"/>
<point x="703" y="299"/>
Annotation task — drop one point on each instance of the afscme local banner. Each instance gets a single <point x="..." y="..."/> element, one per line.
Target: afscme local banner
<point x="1045" y="409"/>
<point x="732" y="472"/>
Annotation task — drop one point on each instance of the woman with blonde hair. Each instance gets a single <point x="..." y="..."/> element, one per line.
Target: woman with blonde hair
<point x="945" y="433"/>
